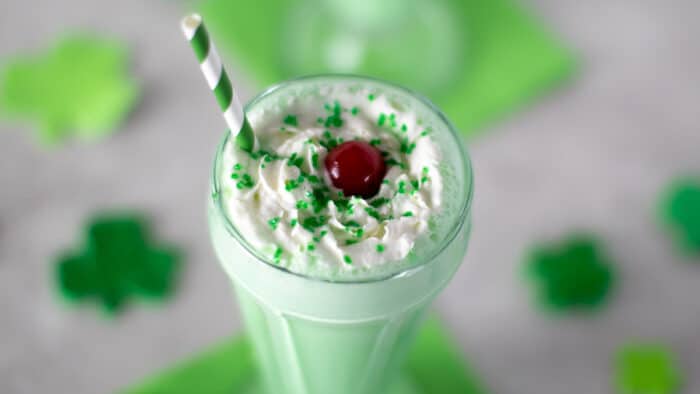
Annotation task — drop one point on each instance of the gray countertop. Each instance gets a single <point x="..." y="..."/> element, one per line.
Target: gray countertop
<point x="594" y="155"/>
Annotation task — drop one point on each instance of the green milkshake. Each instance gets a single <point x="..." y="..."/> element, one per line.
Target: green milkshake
<point x="339" y="228"/>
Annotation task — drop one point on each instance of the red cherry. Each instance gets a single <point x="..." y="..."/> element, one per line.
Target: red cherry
<point x="357" y="168"/>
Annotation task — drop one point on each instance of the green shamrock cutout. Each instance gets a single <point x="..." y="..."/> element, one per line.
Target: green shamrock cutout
<point x="80" y="87"/>
<point x="571" y="274"/>
<point x="646" y="369"/>
<point x="117" y="262"/>
<point x="681" y="211"/>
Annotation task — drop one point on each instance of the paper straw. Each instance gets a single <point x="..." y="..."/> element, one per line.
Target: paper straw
<point x="219" y="83"/>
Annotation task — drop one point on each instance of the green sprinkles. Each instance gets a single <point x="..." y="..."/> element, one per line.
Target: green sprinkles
<point x="291" y="184"/>
<point x="319" y="199"/>
<point x="320" y="235"/>
<point x="373" y="213"/>
<point x="407" y="147"/>
<point x="411" y="147"/>
<point x="295" y="160"/>
<point x="378" y="202"/>
<point x="402" y="187"/>
<point x="393" y="162"/>
<point x="277" y="255"/>
<point x="334" y="119"/>
<point x="291" y="120"/>
<point x="313" y="222"/>
<point x="320" y="196"/>
<point x="274" y="222"/>
<point x="263" y="154"/>
<point x="245" y="183"/>
<point x="328" y="141"/>
<point x="392" y="120"/>
<point x="352" y="223"/>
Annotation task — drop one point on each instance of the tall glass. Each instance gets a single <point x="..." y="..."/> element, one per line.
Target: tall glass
<point x="313" y="336"/>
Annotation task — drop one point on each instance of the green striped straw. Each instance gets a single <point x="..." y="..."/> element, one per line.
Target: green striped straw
<point x="219" y="83"/>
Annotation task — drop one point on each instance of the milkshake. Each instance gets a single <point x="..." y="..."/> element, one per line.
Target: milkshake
<point x="339" y="228"/>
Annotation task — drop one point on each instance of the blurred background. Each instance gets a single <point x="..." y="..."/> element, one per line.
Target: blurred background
<point x="577" y="116"/>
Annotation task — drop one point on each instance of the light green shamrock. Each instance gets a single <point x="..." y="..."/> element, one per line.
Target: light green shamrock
<point x="79" y="87"/>
<point x="646" y="369"/>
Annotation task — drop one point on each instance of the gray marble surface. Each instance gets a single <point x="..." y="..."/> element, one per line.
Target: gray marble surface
<point x="593" y="155"/>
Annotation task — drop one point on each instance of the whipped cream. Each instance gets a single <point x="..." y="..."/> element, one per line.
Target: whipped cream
<point x="282" y="202"/>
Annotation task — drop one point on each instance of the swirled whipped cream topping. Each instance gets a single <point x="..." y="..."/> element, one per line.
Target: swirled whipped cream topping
<point x="281" y="200"/>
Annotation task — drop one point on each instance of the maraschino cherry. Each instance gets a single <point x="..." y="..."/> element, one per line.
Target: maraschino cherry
<point x="357" y="168"/>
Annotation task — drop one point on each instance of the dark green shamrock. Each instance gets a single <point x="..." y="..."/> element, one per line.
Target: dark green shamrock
<point x="646" y="369"/>
<point x="80" y="87"/>
<point x="680" y="209"/>
<point x="117" y="262"/>
<point x="571" y="274"/>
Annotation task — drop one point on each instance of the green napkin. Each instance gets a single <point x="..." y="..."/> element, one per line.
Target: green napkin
<point x="436" y="366"/>
<point x="508" y="56"/>
<point x="433" y="367"/>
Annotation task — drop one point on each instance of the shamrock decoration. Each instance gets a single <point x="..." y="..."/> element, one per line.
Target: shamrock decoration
<point x="79" y="87"/>
<point x="117" y="261"/>
<point x="572" y="274"/>
<point x="646" y="369"/>
<point x="681" y="210"/>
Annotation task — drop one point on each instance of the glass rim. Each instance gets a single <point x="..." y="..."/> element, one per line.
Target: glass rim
<point x="456" y="225"/>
